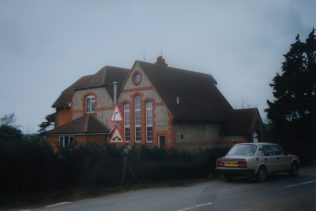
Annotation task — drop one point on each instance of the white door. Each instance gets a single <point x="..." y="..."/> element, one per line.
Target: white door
<point x="255" y="137"/>
<point x="161" y="141"/>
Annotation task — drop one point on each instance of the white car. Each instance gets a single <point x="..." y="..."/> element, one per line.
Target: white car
<point x="256" y="159"/>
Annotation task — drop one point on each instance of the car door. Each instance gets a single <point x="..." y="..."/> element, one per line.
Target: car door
<point x="282" y="163"/>
<point x="270" y="159"/>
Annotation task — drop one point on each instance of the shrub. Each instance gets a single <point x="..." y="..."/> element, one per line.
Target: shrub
<point x="8" y="133"/>
<point x="26" y="165"/>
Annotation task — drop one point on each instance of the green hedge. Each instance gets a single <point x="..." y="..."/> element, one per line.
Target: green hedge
<point x="32" y="166"/>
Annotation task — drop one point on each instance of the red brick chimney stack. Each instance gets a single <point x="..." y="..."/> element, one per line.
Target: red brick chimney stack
<point x="161" y="60"/>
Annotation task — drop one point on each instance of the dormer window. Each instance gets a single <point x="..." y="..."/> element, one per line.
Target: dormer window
<point x="90" y="104"/>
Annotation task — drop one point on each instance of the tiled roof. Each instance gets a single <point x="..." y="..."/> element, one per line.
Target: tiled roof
<point x="242" y="122"/>
<point x="190" y="96"/>
<point x="86" y="124"/>
<point x="66" y="96"/>
<point x="103" y="78"/>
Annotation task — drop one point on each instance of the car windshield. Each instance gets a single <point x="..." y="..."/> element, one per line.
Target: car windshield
<point x="243" y="149"/>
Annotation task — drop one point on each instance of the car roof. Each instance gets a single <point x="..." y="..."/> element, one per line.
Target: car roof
<point x="258" y="144"/>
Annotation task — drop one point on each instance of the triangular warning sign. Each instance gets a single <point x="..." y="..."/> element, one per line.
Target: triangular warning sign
<point x="116" y="136"/>
<point x="116" y="116"/>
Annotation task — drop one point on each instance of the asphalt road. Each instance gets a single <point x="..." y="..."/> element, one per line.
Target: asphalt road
<point x="280" y="192"/>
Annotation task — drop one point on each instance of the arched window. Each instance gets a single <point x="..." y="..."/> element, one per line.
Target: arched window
<point x="90" y="104"/>
<point x="149" y="122"/>
<point x="127" y="132"/>
<point x="137" y="106"/>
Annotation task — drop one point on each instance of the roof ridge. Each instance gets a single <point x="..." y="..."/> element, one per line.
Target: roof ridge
<point x="115" y="67"/>
<point x="176" y="68"/>
<point x="87" y="122"/>
<point x="96" y="119"/>
<point x="179" y="69"/>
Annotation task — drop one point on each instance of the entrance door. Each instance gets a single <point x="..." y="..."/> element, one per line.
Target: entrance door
<point x="161" y="141"/>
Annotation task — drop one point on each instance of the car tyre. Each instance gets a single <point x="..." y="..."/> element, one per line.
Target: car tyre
<point x="261" y="174"/>
<point x="294" y="172"/>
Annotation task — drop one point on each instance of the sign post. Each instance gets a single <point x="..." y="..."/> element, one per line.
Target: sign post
<point x="116" y="116"/>
<point x="116" y="136"/>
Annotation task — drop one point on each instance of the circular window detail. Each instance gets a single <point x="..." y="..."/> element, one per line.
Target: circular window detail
<point x="137" y="78"/>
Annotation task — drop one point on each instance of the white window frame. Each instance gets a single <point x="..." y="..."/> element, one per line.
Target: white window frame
<point x="137" y="110"/>
<point x="62" y="141"/>
<point x="127" y="125"/>
<point x="149" y="122"/>
<point x="90" y="104"/>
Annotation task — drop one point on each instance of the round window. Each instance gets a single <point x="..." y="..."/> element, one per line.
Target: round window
<point x="137" y="77"/>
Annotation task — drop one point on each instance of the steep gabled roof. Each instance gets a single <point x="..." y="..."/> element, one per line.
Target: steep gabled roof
<point x="242" y="122"/>
<point x="86" y="124"/>
<point x="103" y="78"/>
<point x="118" y="75"/>
<point x="190" y="96"/>
<point x="65" y="98"/>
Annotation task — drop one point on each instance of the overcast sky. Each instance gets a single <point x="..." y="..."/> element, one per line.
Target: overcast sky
<point x="46" y="45"/>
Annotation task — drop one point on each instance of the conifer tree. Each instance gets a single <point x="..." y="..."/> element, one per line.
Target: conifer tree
<point x="294" y="90"/>
<point x="48" y="123"/>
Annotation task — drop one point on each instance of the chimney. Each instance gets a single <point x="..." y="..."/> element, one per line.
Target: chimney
<point x="161" y="60"/>
<point x="115" y="93"/>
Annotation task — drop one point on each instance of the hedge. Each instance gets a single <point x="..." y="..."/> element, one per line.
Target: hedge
<point x="29" y="166"/>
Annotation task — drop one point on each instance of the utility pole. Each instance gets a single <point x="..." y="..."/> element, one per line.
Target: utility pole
<point x="125" y="151"/>
<point x="115" y="92"/>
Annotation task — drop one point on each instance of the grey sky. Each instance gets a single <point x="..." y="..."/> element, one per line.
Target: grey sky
<point x="46" y="45"/>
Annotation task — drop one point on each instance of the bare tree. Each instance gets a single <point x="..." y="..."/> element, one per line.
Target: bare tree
<point x="8" y="119"/>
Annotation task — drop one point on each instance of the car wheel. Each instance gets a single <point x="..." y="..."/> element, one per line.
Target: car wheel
<point x="262" y="174"/>
<point x="294" y="170"/>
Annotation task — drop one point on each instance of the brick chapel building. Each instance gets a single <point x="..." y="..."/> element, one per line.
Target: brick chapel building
<point x="161" y="106"/>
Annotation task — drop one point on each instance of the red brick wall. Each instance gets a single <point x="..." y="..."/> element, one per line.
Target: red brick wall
<point x="90" y="138"/>
<point x="162" y="119"/>
<point x="169" y="133"/>
<point x="63" y="116"/>
<point x="53" y="140"/>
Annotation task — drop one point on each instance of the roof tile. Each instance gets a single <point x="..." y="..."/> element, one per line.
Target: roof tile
<point x="86" y="124"/>
<point x="103" y="78"/>
<point x="190" y="96"/>
<point x="241" y="121"/>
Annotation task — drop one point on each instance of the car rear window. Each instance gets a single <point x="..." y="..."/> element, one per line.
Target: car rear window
<point x="243" y="149"/>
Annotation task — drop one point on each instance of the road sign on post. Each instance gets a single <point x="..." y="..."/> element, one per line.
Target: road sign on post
<point x="116" y="116"/>
<point x="116" y="136"/>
